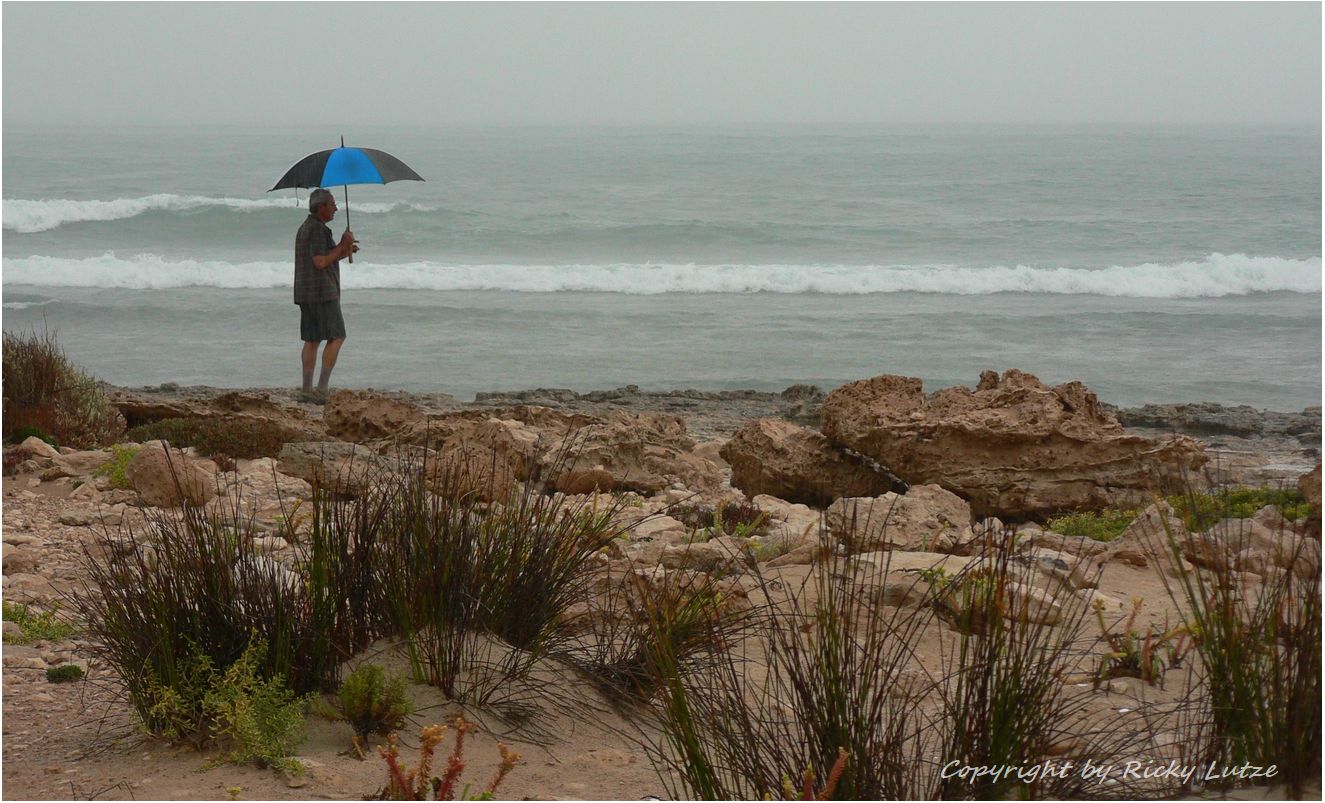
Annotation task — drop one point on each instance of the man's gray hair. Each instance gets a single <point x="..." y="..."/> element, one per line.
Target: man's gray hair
<point x="318" y="197"/>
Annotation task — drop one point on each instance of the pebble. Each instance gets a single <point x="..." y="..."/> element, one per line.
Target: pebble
<point x="19" y="539"/>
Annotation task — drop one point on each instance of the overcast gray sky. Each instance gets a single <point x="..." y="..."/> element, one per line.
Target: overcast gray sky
<point x="598" y="63"/>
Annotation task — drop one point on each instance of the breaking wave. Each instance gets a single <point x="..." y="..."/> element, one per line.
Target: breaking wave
<point x="27" y="216"/>
<point x="1216" y="275"/>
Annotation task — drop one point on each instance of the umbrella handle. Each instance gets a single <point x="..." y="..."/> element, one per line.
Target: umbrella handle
<point x="346" y="187"/>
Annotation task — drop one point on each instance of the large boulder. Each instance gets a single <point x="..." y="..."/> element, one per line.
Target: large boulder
<point x="926" y="518"/>
<point x="774" y="457"/>
<point x="361" y="416"/>
<point x="1013" y="447"/>
<point x="169" y="479"/>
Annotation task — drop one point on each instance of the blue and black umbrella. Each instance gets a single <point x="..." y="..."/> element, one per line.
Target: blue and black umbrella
<point x="345" y="166"/>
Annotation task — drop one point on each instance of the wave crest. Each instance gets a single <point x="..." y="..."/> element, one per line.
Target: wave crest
<point x="28" y="216"/>
<point x="1215" y="276"/>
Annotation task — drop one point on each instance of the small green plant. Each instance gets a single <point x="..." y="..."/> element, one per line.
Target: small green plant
<point x="64" y="673"/>
<point x="1136" y="655"/>
<point x="117" y="467"/>
<point x="260" y="720"/>
<point x="372" y="703"/>
<point x="937" y="577"/>
<point x="1105" y="525"/>
<point x="419" y="783"/>
<point x="46" y="626"/>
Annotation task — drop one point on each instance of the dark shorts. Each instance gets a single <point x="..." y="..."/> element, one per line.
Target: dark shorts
<point x="321" y="321"/>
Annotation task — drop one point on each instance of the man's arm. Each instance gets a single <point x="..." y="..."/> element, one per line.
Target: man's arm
<point x="339" y="252"/>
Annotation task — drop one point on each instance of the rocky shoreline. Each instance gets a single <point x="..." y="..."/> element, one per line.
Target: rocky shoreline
<point x="1256" y="446"/>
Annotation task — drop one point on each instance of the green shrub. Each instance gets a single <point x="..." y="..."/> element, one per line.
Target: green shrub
<point x="23" y="433"/>
<point x="1200" y="511"/>
<point x="43" y="390"/>
<point x="235" y="438"/>
<point x="64" y="673"/>
<point x="373" y="703"/>
<point x="47" y="626"/>
<point x="258" y="719"/>
<point x="116" y="469"/>
<point x="1105" y="525"/>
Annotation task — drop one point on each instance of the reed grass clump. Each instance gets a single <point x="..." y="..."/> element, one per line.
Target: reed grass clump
<point x="830" y="673"/>
<point x="44" y="390"/>
<point x="479" y="589"/>
<point x="1258" y="638"/>
<point x="189" y="595"/>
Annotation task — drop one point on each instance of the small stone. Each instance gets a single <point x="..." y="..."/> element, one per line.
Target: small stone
<point x="77" y="518"/>
<point x="1119" y="686"/>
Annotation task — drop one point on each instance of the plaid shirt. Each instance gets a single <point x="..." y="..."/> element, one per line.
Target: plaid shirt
<point x="313" y="286"/>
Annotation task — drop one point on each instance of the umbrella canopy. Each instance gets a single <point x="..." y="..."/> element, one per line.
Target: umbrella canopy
<point x="346" y="166"/>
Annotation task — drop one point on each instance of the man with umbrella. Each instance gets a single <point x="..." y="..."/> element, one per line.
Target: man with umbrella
<point x="317" y="290"/>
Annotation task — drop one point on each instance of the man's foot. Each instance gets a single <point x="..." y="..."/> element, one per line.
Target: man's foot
<point x="312" y="397"/>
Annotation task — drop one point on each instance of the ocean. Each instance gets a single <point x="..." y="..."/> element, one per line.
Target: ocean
<point x="1153" y="264"/>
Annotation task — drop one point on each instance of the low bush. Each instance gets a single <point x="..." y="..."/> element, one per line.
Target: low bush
<point x="1199" y="511"/>
<point x="46" y="392"/>
<point x="64" y="673"/>
<point x="1104" y="525"/>
<point x="256" y="719"/>
<point x="36" y="626"/>
<point x="234" y="438"/>
<point x="372" y="703"/>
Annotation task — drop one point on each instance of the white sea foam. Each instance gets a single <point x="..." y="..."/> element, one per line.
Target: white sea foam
<point x="26" y="304"/>
<point x="27" y="216"/>
<point x="1216" y="275"/>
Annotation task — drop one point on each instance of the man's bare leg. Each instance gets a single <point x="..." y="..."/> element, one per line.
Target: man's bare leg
<point x="309" y="356"/>
<point x="328" y="362"/>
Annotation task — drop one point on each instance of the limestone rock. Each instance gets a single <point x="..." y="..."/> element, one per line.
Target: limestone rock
<point x="769" y="456"/>
<point x="168" y="480"/>
<point x="346" y="468"/>
<point x="361" y="416"/>
<point x="642" y="452"/>
<point x="79" y="464"/>
<point x="487" y="458"/>
<point x="33" y="446"/>
<point x="1013" y="446"/>
<point x="925" y="518"/>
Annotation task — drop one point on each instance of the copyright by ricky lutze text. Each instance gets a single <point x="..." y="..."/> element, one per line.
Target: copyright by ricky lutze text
<point x="1101" y="772"/>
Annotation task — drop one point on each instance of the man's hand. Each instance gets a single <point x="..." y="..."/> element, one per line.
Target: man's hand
<point x="347" y="237"/>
